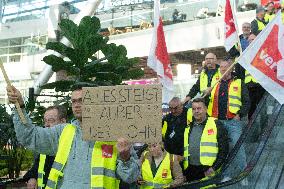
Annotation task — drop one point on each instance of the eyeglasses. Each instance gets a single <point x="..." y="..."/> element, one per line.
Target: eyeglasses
<point x="174" y="108"/>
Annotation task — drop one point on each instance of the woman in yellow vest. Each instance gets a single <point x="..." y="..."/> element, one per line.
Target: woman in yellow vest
<point x="269" y="15"/>
<point x="159" y="168"/>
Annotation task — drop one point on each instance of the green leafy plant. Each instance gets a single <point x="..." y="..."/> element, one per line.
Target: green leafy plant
<point x="80" y="60"/>
<point x="10" y="147"/>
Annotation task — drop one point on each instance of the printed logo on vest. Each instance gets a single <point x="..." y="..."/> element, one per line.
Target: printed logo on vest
<point x="217" y="78"/>
<point x="210" y="131"/>
<point x="107" y="151"/>
<point x="164" y="173"/>
<point x="236" y="88"/>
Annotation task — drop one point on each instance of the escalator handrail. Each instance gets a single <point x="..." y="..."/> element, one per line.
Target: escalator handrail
<point x="263" y="141"/>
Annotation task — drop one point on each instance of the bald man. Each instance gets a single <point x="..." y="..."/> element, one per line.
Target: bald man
<point x="173" y="126"/>
<point x="208" y="77"/>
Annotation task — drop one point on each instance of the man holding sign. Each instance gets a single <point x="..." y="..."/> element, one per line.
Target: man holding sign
<point x="76" y="159"/>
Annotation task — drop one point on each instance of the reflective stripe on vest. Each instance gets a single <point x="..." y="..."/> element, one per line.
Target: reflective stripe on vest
<point x="234" y="99"/>
<point x="163" y="176"/>
<point x="41" y="172"/>
<point x="103" y="162"/>
<point x="208" y="144"/>
<point x="260" y="25"/>
<point x="249" y="78"/>
<point x="103" y="169"/>
<point x="64" y="147"/>
<point x="188" y="117"/>
<point x="204" y="80"/>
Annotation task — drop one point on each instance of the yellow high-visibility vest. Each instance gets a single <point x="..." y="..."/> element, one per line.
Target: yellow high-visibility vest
<point x="234" y="99"/>
<point x="40" y="171"/>
<point x="208" y="144"/>
<point x="268" y="17"/>
<point x="204" y="80"/>
<point x="102" y="169"/>
<point x="249" y="78"/>
<point x="260" y="25"/>
<point x="163" y="177"/>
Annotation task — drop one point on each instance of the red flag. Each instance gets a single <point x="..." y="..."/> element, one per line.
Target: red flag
<point x="231" y="34"/>
<point x="158" y="58"/>
<point x="266" y="56"/>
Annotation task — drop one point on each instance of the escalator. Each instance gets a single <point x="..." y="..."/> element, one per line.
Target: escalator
<point x="261" y="138"/>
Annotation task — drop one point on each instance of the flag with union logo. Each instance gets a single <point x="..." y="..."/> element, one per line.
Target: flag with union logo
<point x="264" y="58"/>
<point x="158" y="58"/>
<point x="231" y="33"/>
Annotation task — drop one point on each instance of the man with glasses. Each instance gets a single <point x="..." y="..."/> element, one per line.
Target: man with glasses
<point x="208" y="77"/>
<point x="37" y="176"/>
<point x="173" y="126"/>
<point x="78" y="163"/>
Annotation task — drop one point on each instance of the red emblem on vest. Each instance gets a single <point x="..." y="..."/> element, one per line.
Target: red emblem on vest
<point x="210" y="132"/>
<point x="164" y="173"/>
<point x="236" y="88"/>
<point x="107" y="151"/>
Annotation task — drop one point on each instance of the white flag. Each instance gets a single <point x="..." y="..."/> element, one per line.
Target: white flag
<point x="231" y="34"/>
<point x="264" y="57"/>
<point x="158" y="58"/>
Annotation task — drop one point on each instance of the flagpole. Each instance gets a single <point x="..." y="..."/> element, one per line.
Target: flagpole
<point x="158" y="58"/>
<point x="237" y="27"/>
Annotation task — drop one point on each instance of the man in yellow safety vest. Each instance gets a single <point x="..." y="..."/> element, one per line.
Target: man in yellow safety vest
<point x="208" y="77"/>
<point x="37" y="176"/>
<point x="78" y="163"/>
<point x="205" y="144"/>
<point x="229" y="102"/>
<point x="258" y="24"/>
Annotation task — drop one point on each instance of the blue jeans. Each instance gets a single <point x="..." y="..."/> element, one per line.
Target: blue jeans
<point x="234" y="129"/>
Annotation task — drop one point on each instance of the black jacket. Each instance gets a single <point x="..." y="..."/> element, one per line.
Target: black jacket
<point x="254" y="26"/>
<point x="174" y="144"/>
<point x="196" y="87"/>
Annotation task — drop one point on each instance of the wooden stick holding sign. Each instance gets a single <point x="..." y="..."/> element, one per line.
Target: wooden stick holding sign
<point x="22" y="117"/>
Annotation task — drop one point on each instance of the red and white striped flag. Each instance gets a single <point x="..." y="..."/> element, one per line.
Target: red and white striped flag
<point x="158" y="58"/>
<point x="231" y="34"/>
<point x="264" y="58"/>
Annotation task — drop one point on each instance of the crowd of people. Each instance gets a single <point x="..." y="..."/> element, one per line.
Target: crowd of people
<point x="195" y="140"/>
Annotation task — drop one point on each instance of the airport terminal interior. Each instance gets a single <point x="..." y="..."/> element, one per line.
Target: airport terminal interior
<point x="26" y="26"/>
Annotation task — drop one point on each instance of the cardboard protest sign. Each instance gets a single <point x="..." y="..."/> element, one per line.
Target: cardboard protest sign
<point x="130" y="111"/>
